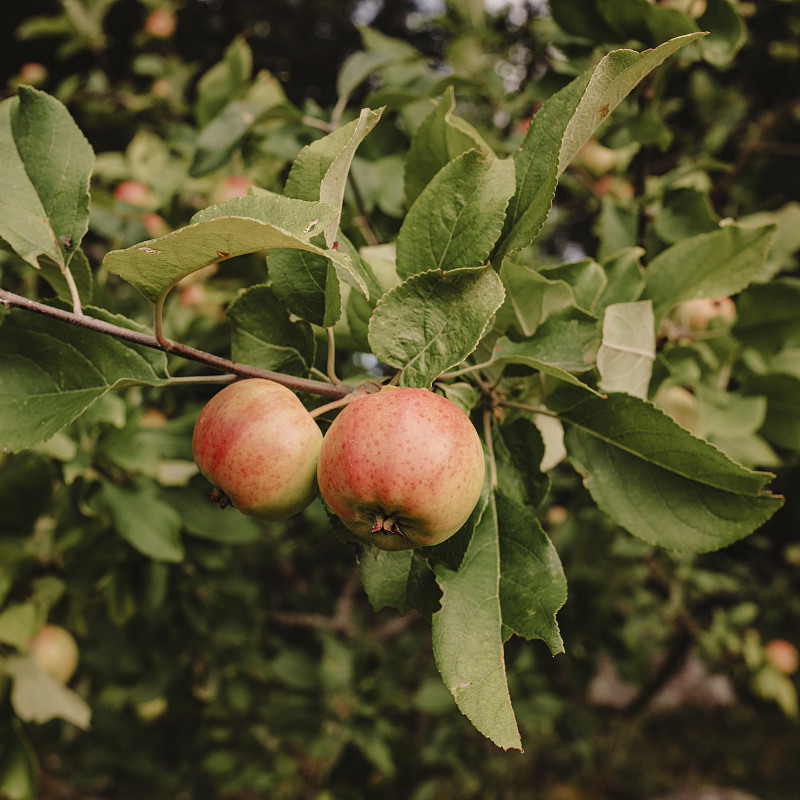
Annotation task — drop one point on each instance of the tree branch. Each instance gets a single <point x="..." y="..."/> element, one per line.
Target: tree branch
<point x="11" y="300"/>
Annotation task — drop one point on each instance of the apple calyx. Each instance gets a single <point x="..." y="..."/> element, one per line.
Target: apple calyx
<point x="218" y="497"/>
<point x="386" y="524"/>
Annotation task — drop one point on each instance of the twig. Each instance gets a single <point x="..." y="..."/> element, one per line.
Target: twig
<point x="11" y="300"/>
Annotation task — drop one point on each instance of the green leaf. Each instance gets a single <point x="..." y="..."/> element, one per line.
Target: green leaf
<point x="37" y="697"/>
<point x="628" y="350"/>
<point x="331" y="190"/>
<point x="615" y="76"/>
<point x="18" y="624"/>
<point x="768" y="315"/>
<point x="530" y="298"/>
<point x="624" y="278"/>
<point x="224" y="81"/>
<point x="467" y="636"/>
<point x="536" y="168"/>
<point x="658" y="481"/>
<point x="206" y="520"/>
<point x="441" y="137"/>
<point x="532" y="583"/>
<point x="685" y="212"/>
<point x="727" y="31"/>
<point x="707" y="265"/>
<point x="518" y="452"/>
<point x="81" y="272"/>
<point x="332" y="152"/>
<point x="358" y="66"/>
<point x="586" y="278"/>
<point x="401" y="580"/>
<point x="307" y="285"/>
<point x="51" y="372"/>
<point x="557" y="349"/>
<point x="782" y="422"/>
<point x="19" y="771"/>
<point x="46" y="163"/>
<point x="433" y="321"/>
<point x="226" y="131"/>
<point x="156" y="265"/>
<point x="265" y="336"/>
<point x="458" y="216"/>
<point x="145" y="521"/>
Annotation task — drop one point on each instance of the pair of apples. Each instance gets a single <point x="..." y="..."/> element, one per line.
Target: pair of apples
<point x="400" y="467"/>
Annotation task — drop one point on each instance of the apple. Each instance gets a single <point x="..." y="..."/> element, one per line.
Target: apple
<point x="33" y="73"/>
<point x="134" y="193"/>
<point x="782" y="655"/>
<point x="697" y="314"/>
<point x="56" y="651"/>
<point x="160" y="23"/>
<point x="256" y="442"/>
<point x="401" y="468"/>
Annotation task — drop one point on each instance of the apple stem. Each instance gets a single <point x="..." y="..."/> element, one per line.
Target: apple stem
<point x="342" y="401"/>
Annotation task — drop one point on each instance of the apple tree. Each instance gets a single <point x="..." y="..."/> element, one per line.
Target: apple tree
<point x="404" y="245"/>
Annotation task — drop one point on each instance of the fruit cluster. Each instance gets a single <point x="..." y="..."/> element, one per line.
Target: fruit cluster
<point x="400" y="467"/>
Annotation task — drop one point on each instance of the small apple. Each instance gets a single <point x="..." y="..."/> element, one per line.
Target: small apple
<point x="56" y="651"/>
<point x="782" y="655"/>
<point x="134" y="193"/>
<point x="697" y="314"/>
<point x="33" y="73"/>
<point x="160" y="23"/>
<point x="256" y="442"/>
<point x="401" y="468"/>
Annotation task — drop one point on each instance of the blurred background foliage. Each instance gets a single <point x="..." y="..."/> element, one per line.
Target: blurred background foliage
<point x="246" y="662"/>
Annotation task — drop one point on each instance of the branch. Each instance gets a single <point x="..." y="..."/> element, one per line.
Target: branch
<point x="11" y="300"/>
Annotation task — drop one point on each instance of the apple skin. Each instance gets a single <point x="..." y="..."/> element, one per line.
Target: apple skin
<point x="256" y="442"/>
<point x="401" y="468"/>
<point x="56" y="651"/>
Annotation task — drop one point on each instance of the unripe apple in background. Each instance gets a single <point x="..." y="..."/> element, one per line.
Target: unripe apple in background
<point x="697" y="314"/>
<point x="256" y="442"/>
<point x="401" y="468"/>
<point x="56" y="651"/>
<point x="782" y="655"/>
